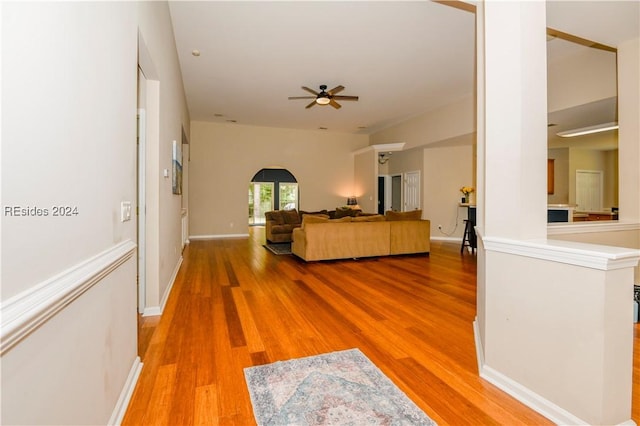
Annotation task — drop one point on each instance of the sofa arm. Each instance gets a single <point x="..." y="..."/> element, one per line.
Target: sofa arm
<point x="410" y="236"/>
<point x="299" y="243"/>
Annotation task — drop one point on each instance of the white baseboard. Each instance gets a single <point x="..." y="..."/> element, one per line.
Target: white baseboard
<point x="523" y="394"/>
<point x="217" y="237"/>
<point x="152" y="311"/>
<point x="127" y="391"/>
<point x="450" y="239"/>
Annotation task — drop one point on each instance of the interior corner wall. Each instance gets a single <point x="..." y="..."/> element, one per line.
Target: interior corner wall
<point x="224" y="158"/>
<point x="366" y="180"/>
<point x="68" y="139"/>
<point x="164" y="208"/>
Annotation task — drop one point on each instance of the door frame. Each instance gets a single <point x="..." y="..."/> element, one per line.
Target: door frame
<point x="406" y="188"/>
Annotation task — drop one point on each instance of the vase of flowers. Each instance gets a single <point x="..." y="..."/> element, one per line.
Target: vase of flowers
<point x="466" y="191"/>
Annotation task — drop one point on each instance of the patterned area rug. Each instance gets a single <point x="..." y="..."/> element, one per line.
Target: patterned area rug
<point x="339" y="388"/>
<point x="279" y="248"/>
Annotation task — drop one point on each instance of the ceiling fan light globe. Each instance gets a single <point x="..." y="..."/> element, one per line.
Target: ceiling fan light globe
<point x="322" y="101"/>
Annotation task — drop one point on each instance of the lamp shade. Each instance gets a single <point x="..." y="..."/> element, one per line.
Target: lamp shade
<point x="352" y="201"/>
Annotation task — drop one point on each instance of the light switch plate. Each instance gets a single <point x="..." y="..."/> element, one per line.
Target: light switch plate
<point x="125" y="211"/>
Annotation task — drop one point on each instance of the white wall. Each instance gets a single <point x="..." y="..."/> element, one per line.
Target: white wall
<point x="69" y="72"/>
<point x="164" y="246"/>
<point x="225" y="157"/>
<point x="68" y="138"/>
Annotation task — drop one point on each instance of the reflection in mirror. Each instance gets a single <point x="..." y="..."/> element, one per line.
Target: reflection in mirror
<point x="582" y="92"/>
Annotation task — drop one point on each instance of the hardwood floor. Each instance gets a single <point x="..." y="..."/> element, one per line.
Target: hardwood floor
<point x="235" y="304"/>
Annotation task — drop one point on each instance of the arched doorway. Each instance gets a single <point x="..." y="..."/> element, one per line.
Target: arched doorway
<point x="271" y="189"/>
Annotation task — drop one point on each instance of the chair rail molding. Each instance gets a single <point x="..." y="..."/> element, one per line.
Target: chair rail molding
<point x="26" y="311"/>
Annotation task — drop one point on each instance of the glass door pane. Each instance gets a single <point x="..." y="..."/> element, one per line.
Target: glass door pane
<point x="288" y="196"/>
<point x="260" y="201"/>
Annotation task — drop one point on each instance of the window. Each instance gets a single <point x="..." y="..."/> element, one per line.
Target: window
<point x="288" y="196"/>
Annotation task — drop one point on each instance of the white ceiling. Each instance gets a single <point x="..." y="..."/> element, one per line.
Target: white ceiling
<point x="400" y="58"/>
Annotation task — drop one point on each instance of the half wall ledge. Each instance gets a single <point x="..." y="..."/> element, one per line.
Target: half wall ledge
<point x="555" y="326"/>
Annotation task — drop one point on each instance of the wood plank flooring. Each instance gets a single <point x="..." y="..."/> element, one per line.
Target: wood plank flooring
<point x="234" y="304"/>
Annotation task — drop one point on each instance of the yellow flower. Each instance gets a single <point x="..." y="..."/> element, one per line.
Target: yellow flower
<point x="466" y="190"/>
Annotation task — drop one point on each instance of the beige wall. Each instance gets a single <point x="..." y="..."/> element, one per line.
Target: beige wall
<point x="446" y="170"/>
<point x="69" y="138"/>
<point x="224" y="158"/>
<point x="440" y="124"/>
<point x="366" y="180"/>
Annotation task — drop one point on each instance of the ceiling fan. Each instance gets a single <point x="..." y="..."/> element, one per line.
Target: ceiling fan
<point x="325" y="97"/>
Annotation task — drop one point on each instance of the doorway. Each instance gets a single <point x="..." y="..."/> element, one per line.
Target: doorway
<point x="396" y="193"/>
<point x="589" y="185"/>
<point x="271" y="189"/>
<point x="411" y="191"/>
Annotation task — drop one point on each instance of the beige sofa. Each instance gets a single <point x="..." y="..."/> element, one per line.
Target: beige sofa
<point x="349" y="238"/>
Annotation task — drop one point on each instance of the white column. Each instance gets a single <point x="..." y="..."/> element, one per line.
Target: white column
<point x="515" y="111"/>
<point x="554" y="326"/>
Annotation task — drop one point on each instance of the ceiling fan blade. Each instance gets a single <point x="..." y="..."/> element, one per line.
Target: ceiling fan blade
<point x="310" y="90"/>
<point x="336" y="90"/>
<point x="311" y="104"/>
<point x="335" y="104"/>
<point x="302" y="97"/>
<point x="346" y="98"/>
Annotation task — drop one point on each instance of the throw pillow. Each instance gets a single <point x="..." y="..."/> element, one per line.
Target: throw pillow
<point x="276" y="216"/>
<point x="345" y="211"/>
<point x="291" y="217"/>
<point x="411" y="215"/>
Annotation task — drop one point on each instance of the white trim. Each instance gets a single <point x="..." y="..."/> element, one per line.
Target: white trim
<point x="28" y="310"/>
<point x="588" y="227"/>
<point x="153" y="311"/>
<point x="580" y="254"/>
<point x="217" y="236"/>
<point x="449" y="239"/>
<point x="397" y="146"/>
<point x="478" y="341"/>
<point x="125" y="395"/>
<point x="141" y="208"/>
<point x="541" y="405"/>
<point x="523" y="394"/>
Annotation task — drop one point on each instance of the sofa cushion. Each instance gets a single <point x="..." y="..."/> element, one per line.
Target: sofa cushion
<point x="368" y="218"/>
<point x="283" y="229"/>
<point x="314" y="218"/>
<point x="290" y="217"/>
<point x="411" y="215"/>
<point x="275" y="216"/>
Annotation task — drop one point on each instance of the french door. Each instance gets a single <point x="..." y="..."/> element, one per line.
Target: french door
<point x="260" y="201"/>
